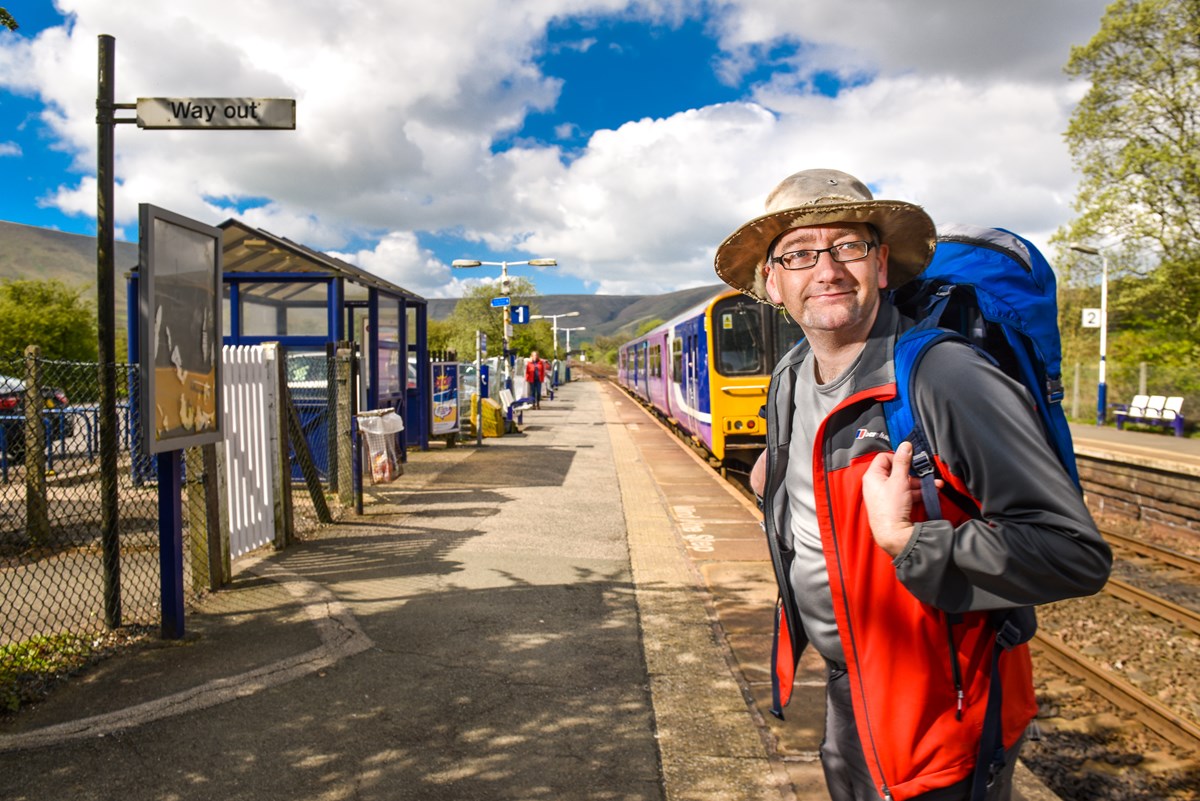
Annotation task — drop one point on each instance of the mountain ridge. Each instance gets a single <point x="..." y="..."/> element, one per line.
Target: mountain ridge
<point x="44" y="253"/>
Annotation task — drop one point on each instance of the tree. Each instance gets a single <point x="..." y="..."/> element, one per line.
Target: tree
<point x="1135" y="138"/>
<point x="474" y="312"/>
<point x="7" y="21"/>
<point x="49" y="314"/>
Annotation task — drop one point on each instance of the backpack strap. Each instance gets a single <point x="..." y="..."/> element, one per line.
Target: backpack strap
<point x="1013" y="626"/>
<point x="902" y="421"/>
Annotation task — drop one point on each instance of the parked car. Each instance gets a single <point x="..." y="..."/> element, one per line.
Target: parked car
<point x="12" y="413"/>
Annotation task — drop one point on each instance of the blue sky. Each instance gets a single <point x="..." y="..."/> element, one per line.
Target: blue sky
<point x="626" y="139"/>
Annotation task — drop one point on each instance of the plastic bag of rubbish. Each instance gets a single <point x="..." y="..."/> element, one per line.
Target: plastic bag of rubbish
<point x="380" y="427"/>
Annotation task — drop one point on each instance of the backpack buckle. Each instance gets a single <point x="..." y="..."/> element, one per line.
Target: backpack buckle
<point x="922" y="465"/>
<point x="1054" y="389"/>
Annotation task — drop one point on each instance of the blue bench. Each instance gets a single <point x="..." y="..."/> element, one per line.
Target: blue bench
<point x="1154" y="410"/>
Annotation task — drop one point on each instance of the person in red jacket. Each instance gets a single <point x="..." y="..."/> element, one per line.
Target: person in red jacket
<point x="535" y="374"/>
<point x="897" y="604"/>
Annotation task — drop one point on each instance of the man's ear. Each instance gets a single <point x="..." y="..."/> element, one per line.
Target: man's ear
<point x="772" y="289"/>
<point x="883" y="265"/>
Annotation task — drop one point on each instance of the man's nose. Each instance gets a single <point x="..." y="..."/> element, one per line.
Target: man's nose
<point x="826" y="265"/>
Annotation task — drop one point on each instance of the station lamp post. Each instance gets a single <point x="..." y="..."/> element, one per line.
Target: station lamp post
<point x="569" y="330"/>
<point x="553" y="318"/>
<point x="1102" y="388"/>
<point x="505" y="288"/>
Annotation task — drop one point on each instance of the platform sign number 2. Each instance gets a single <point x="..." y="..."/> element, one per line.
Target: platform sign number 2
<point x="1091" y="318"/>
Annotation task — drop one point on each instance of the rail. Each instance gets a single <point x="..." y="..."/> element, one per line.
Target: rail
<point x="1158" y="552"/>
<point x="1153" y="714"/>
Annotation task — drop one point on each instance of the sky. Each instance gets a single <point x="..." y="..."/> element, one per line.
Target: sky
<point x="624" y="138"/>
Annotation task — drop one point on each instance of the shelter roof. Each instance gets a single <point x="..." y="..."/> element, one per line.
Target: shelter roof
<point x="253" y="250"/>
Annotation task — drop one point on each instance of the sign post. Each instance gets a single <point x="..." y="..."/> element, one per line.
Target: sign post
<point x="152" y="114"/>
<point x="480" y="349"/>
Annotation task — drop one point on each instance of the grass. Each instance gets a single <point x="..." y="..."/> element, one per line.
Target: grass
<point x="29" y="669"/>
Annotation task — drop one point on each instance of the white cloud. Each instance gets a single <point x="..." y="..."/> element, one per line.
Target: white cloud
<point x="398" y="105"/>
<point x="1021" y="40"/>
<point x="400" y="259"/>
<point x="9" y="149"/>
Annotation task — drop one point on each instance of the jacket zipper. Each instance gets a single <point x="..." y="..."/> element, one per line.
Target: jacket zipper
<point x="955" y="669"/>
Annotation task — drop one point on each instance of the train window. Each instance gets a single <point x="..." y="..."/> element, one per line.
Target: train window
<point x="676" y="360"/>
<point x="656" y="360"/>
<point x="787" y="334"/>
<point x="738" y="337"/>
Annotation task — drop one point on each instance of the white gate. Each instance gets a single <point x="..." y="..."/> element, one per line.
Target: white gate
<point x="249" y="397"/>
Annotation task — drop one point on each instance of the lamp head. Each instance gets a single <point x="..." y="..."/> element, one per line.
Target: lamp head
<point x="465" y="263"/>
<point x="1084" y="249"/>
<point x="542" y="263"/>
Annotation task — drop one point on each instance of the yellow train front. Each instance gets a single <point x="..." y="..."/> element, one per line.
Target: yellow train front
<point x="707" y="370"/>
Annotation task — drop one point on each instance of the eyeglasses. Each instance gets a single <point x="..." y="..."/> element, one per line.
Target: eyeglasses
<point x="807" y="259"/>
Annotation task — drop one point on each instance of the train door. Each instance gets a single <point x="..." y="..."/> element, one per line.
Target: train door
<point x="641" y="383"/>
<point x="695" y="380"/>
<point x="692" y="378"/>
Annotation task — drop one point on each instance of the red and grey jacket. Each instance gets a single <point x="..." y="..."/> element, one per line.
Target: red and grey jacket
<point x="915" y="629"/>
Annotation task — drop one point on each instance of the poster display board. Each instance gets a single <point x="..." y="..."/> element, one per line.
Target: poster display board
<point x="179" y="305"/>
<point x="445" y="398"/>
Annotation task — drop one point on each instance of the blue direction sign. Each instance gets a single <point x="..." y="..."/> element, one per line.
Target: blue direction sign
<point x="519" y="314"/>
<point x="500" y="302"/>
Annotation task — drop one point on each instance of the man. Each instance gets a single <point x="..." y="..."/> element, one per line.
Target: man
<point x="897" y="607"/>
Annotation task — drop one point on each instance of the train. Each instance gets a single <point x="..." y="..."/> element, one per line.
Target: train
<point x="706" y="373"/>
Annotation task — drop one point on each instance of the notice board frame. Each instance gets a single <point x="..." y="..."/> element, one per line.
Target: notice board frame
<point x="179" y="319"/>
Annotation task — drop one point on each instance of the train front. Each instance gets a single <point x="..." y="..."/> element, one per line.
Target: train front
<point x="745" y="341"/>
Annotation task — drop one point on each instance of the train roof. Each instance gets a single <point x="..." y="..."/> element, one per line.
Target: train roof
<point x="685" y="315"/>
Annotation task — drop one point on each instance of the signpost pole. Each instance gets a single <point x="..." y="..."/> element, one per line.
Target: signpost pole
<point x="170" y="544"/>
<point x="105" y="298"/>
<point x="479" y="387"/>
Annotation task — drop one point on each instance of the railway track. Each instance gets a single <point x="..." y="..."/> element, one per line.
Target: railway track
<point x="1159" y="553"/>
<point x="1156" y="716"/>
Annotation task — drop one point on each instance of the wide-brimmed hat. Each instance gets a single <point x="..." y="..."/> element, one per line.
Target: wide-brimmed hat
<point x="818" y="197"/>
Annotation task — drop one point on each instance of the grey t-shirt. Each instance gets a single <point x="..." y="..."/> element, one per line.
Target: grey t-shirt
<point x="809" y="575"/>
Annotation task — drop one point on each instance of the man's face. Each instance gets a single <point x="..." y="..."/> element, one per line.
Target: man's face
<point x="831" y="296"/>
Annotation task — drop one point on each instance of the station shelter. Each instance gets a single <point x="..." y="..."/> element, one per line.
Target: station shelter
<point x="276" y="290"/>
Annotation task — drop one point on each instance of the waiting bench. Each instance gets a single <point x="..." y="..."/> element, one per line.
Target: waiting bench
<point x="1155" y="410"/>
<point x="512" y="406"/>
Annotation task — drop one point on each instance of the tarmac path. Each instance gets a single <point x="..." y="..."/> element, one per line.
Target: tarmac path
<point x="517" y="621"/>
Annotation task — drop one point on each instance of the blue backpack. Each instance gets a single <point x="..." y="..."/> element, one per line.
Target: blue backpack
<point x="994" y="290"/>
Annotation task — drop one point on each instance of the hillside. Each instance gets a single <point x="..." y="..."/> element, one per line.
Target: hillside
<point x="43" y="253"/>
<point x="29" y="252"/>
<point x="604" y="315"/>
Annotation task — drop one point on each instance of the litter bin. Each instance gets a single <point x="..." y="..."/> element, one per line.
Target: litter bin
<point x="379" y="428"/>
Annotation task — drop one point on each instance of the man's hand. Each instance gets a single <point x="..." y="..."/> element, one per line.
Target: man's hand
<point x="888" y="492"/>
<point x="758" y="475"/>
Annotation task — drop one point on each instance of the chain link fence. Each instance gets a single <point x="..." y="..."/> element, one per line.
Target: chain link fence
<point x="65" y="595"/>
<point x="66" y="588"/>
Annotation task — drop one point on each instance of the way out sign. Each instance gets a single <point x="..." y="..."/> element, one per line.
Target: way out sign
<point x="270" y="113"/>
